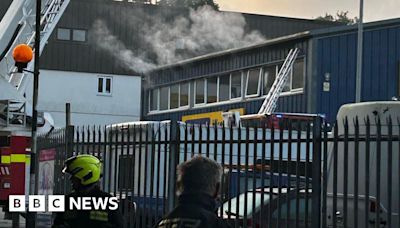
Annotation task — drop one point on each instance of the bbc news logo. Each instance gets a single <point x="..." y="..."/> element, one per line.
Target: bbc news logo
<point x="56" y="203"/>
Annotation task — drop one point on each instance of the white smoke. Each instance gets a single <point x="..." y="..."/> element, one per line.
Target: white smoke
<point x="114" y="46"/>
<point x="203" y="31"/>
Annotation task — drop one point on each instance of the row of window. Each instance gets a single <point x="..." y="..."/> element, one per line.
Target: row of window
<point x="170" y="97"/>
<point x="234" y="86"/>
<point x="78" y="35"/>
<point x="104" y="86"/>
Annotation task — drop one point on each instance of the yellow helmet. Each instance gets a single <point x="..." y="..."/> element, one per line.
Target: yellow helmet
<point x="85" y="167"/>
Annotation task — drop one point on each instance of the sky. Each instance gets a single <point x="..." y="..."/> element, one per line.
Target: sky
<point x="373" y="9"/>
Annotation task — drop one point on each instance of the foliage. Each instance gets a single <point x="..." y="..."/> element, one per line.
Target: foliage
<point x="341" y="17"/>
<point x="189" y="3"/>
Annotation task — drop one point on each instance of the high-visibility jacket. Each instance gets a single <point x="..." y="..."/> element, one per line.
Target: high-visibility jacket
<point x="88" y="218"/>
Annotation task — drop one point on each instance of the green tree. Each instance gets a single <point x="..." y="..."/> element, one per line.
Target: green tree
<point x="189" y="3"/>
<point x="341" y="17"/>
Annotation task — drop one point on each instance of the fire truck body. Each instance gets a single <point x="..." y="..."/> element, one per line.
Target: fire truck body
<point x="13" y="166"/>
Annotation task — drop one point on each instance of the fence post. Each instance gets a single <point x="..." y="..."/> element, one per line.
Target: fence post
<point x="173" y="162"/>
<point x="67" y="114"/>
<point x="69" y="147"/>
<point x="316" y="173"/>
<point x="69" y="140"/>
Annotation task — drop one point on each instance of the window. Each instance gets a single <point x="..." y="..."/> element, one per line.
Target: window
<point x="169" y="97"/>
<point x="269" y="78"/>
<point x="104" y="85"/>
<point x="286" y="88"/>
<point x="295" y="81"/>
<point x="164" y="98"/>
<point x="298" y="74"/>
<point x="224" y="87"/>
<point x="252" y="82"/>
<point x="71" y="34"/>
<point x="212" y="85"/>
<point x="236" y="85"/>
<point x="174" y="97"/>
<point x="108" y="85"/>
<point x="63" y="34"/>
<point x="153" y="99"/>
<point x="79" y="35"/>
<point x="184" y="94"/>
<point x="100" y="85"/>
<point x="199" y="91"/>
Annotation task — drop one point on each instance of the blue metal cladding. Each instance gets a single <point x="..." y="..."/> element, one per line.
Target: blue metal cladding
<point x="337" y="55"/>
<point x="228" y="62"/>
<point x="224" y="63"/>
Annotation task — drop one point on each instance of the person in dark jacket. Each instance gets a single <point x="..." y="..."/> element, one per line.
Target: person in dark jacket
<point x="85" y="173"/>
<point x="198" y="185"/>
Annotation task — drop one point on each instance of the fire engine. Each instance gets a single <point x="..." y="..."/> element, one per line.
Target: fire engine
<point x="18" y="27"/>
<point x="13" y="166"/>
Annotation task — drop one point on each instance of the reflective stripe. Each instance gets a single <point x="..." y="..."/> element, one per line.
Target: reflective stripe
<point x="180" y="222"/>
<point x="14" y="158"/>
<point x="5" y="159"/>
<point x="18" y="158"/>
<point x="99" y="216"/>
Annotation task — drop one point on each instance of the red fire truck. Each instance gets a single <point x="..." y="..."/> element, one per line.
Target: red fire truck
<point x="13" y="166"/>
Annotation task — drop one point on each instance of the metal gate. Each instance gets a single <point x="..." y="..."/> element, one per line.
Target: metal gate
<point x="293" y="175"/>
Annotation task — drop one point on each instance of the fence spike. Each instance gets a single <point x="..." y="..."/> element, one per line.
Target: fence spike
<point x="232" y="144"/>
<point x="389" y="120"/>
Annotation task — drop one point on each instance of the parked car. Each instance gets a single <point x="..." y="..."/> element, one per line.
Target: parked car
<point x="262" y="210"/>
<point x="366" y="212"/>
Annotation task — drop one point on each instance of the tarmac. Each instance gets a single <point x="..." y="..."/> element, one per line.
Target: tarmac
<point x="5" y="223"/>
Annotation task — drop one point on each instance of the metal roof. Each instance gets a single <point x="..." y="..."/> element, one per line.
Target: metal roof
<point x="236" y="50"/>
<point x="318" y="32"/>
<point x="353" y="28"/>
<point x="88" y="57"/>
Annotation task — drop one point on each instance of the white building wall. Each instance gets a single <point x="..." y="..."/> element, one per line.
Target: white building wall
<point x="88" y="107"/>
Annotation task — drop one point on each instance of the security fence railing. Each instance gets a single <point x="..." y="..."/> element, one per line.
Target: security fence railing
<point x="298" y="174"/>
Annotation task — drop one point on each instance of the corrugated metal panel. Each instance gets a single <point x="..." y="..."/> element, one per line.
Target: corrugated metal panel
<point x="87" y="57"/>
<point x="337" y="56"/>
<point x="273" y="27"/>
<point x="225" y="63"/>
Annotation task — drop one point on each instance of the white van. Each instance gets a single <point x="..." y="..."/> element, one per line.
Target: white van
<point x="382" y="157"/>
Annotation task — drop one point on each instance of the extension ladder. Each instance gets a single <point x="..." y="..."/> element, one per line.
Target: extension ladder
<point x="271" y="100"/>
<point x="50" y="15"/>
<point x="19" y="20"/>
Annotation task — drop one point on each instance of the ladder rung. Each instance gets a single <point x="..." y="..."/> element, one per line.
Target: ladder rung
<point x="270" y="101"/>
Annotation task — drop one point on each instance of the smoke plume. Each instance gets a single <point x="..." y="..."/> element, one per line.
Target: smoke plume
<point x="114" y="46"/>
<point x="203" y="31"/>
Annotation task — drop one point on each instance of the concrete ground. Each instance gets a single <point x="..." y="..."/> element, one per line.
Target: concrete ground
<point x="8" y="223"/>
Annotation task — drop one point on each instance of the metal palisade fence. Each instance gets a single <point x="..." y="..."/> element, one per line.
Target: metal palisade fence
<point x="299" y="173"/>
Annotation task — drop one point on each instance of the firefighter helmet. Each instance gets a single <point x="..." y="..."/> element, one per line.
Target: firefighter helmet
<point x="85" y="167"/>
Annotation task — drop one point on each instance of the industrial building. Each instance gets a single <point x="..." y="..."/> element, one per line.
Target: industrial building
<point x="322" y="79"/>
<point x="103" y="88"/>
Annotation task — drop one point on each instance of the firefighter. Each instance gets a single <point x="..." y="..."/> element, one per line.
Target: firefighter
<point x="85" y="173"/>
<point x="198" y="186"/>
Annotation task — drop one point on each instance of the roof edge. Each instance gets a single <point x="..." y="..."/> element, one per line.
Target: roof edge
<point x="235" y="50"/>
<point x="349" y="28"/>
